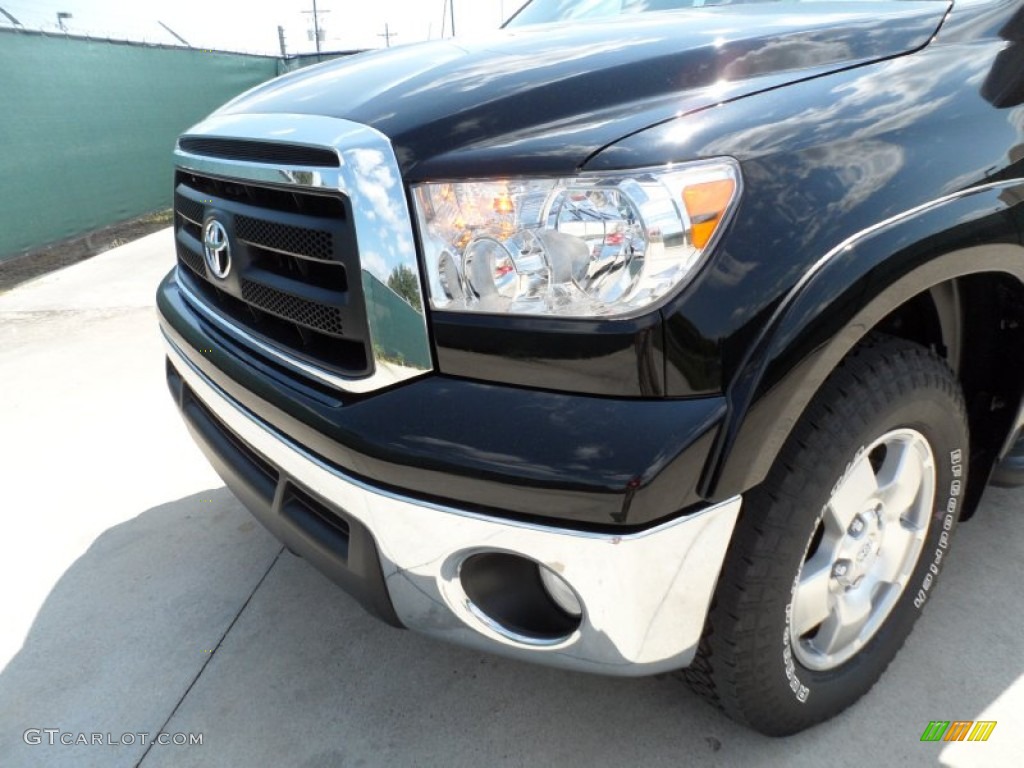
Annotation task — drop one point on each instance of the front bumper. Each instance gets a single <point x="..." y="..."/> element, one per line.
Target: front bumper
<point x="644" y="595"/>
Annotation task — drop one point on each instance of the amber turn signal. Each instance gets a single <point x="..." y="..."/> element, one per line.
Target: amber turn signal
<point x="706" y="204"/>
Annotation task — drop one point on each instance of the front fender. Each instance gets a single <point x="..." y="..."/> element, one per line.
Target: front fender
<point x="839" y="300"/>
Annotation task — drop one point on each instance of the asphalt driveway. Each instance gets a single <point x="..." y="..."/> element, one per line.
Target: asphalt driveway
<point x="139" y="598"/>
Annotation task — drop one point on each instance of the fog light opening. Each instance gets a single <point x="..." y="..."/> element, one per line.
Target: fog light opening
<point x="560" y="591"/>
<point x="520" y="599"/>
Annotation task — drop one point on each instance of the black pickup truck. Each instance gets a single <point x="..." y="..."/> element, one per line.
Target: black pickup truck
<point x="637" y="336"/>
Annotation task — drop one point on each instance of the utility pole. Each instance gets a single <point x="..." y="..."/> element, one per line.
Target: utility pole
<point x="388" y="34"/>
<point x="316" y="27"/>
<point x="316" y="24"/>
<point x="280" y="38"/>
<point x="449" y="5"/>
<point x="61" y="15"/>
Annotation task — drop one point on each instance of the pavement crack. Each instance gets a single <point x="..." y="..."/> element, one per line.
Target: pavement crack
<point x="209" y="657"/>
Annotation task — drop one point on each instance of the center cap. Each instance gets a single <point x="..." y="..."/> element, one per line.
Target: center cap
<point x="859" y="548"/>
<point x="862" y="555"/>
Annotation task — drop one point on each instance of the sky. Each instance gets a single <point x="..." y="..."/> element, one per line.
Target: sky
<point x="251" y="25"/>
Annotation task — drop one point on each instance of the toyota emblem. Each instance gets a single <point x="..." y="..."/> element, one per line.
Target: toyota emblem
<point x="217" y="249"/>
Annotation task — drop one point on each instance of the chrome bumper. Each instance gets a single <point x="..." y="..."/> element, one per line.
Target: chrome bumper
<point x="644" y="595"/>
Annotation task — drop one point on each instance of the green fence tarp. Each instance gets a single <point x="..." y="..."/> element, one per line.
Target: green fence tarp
<point x="88" y="126"/>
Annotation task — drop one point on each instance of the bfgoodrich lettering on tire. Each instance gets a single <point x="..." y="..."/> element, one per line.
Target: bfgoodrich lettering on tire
<point x="839" y="549"/>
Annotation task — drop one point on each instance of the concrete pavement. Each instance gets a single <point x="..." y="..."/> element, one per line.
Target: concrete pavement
<point x="139" y="597"/>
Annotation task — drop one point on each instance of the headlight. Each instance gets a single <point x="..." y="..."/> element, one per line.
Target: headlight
<point x="596" y="245"/>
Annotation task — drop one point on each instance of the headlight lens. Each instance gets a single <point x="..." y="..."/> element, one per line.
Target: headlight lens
<point x="596" y="245"/>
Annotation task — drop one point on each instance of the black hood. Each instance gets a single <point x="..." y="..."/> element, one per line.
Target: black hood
<point x="543" y="99"/>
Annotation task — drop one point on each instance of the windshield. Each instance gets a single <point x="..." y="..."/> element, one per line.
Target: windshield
<point x="545" y="11"/>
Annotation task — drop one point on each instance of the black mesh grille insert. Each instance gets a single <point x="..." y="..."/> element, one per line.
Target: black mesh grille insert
<point x="261" y="152"/>
<point x="314" y="243"/>
<point x="308" y="313"/>
<point x="190" y="209"/>
<point x="191" y="260"/>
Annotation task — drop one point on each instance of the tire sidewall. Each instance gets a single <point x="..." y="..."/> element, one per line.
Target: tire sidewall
<point x="826" y="692"/>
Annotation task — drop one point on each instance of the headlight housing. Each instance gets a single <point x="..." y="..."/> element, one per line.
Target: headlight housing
<point x="596" y="245"/>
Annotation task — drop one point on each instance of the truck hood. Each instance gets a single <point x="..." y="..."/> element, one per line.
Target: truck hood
<point x="543" y="99"/>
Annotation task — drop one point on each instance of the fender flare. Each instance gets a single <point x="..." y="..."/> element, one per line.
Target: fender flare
<point x="838" y="301"/>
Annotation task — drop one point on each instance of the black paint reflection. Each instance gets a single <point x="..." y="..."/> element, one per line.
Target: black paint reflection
<point x="1004" y="86"/>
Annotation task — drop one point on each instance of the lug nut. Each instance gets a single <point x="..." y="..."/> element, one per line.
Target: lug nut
<point x="840" y="569"/>
<point x="857" y="526"/>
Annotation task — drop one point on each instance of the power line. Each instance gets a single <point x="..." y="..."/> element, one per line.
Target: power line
<point x="13" y="20"/>
<point x="180" y="39"/>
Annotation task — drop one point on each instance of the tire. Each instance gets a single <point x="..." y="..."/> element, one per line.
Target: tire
<point x="836" y="553"/>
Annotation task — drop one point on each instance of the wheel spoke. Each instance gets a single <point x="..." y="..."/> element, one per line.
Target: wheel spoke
<point x="811" y="598"/>
<point x="899" y="549"/>
<point x="849" y="615"/>
<point x="852" y="494"/>
<point x="900" y="479"/>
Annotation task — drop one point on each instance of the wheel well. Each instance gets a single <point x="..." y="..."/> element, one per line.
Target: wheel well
<point x="976" y="323"/>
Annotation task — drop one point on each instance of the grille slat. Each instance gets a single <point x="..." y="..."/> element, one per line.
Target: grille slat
<point x="283" y="238"/>
<point x="266" y="198"/>
<point x="261" y="152"/>
<point x="317" y="520"/>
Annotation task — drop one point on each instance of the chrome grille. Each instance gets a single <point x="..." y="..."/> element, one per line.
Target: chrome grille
<point x="288" y="283"/>
<point x="298" y="293"/>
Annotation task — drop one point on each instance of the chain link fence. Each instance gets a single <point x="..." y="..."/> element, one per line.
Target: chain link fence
<point x="89" y="126"/>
